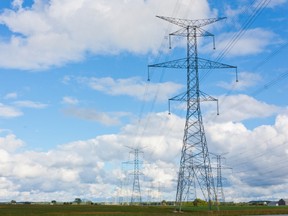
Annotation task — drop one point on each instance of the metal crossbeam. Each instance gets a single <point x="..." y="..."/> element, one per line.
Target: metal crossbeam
<point x="183" y="64"/>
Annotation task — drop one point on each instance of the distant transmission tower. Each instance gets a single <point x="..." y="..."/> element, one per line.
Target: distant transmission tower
<point x="195" y="162"/>
<point x="219" y="190"/>
<point x="220" y="193"/>
<point x="136" y="191"/>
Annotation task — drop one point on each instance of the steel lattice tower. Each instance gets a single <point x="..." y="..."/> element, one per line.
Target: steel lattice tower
<point x="219" y="190"/>
<point x="136" y="190"/>
<point x="220" y="193"/>
<point x="195" y="162"/>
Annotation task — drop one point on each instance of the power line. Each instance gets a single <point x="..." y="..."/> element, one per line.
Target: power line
<point x="257" y="156"/>
<point x="270" y="56"/>
<point x="148" y="85"/>
<point x="257" y="10"/>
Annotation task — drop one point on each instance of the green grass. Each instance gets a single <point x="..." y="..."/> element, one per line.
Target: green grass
<point x="98" y="210"/>
<point x="82" y="210"/>
<point x="238" y="210"/>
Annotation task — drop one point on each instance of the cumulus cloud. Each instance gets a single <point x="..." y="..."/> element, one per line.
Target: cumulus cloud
<point x="167" y="135"/>
<point x="10" y="142"/>
<point x="246" y="80"/>
<point x="93" y="168"/>
<point x="248" y="44"/>
<point x="53" y="32"/>
<point x="9" y="111"/>
<point x="133" y="87"/>
<point x="241" y="107"/>
<point x="79" y="168"/>
<point x="254" y="156"/>
<point x="17" y="4"/>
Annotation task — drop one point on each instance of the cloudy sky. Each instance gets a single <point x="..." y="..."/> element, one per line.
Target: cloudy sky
<point x="75" y="100"/>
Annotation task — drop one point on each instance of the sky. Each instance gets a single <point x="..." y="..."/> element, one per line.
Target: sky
<point x="75" y="100"/>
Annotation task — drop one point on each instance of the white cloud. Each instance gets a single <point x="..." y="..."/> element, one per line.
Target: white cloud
<point x="91" y="168"/>
<point x="246" y="80"/>
<point x="158" y="133"/>
<point x="9" y="112"/>
<point x="241" y="107"/>
<point x="11" y="95"/>
<point x="70" y="100"/>
<point x="17" y="4"/>
<point x="158" y="173"/>
<point x="255" y="156"/>
<point x="78" y="168"/>
<point x="30" y="104"/>
<point x="56" y="32"/>
<point x="10" y="143"/>
<point x="276" y="3"/>
<point x="133" y="87"/>
<point x="234" y="13"/>
<point x="94" y="115"/>
<point x="248" y="44"/>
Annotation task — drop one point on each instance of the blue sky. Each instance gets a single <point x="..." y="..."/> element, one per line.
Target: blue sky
<point x="74" y="93"/>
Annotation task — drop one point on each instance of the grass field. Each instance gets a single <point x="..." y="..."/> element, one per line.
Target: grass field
<point x="85" y="210"/>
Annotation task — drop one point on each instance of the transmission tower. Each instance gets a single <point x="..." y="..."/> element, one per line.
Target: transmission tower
<point x="219" y="190"/>
<point x="136" y="191"/>
<point x="220" y="193"/>
<point x="195" y="162"/>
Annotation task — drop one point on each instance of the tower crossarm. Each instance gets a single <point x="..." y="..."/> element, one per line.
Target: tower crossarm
<point x="176" y="64"/>
<point x="191" y="23"/>
<point x="180" y="97"/>
<point x="199" y="33"/>
<point x="208" y="64"/>
<point x="182" y="64"/>
<point x="203" y="97"/>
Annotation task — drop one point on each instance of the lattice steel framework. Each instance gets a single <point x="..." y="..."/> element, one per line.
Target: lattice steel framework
<point x="220" y="192"/>
<point x="136" y="162"/>
<point x="195" y="167"/>
<point x="219" y="168"/>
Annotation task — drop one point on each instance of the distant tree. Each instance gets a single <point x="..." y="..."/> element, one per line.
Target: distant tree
<point x="199" y="202"/>
<point x="53" y="202"/>
<point x="77" y="200"/>
<point x="13" y="201"/>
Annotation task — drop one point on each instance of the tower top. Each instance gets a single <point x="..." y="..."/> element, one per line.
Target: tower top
<point x="191" y="23"/>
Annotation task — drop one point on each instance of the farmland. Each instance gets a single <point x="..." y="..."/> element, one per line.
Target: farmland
<point x="111" y="210"/>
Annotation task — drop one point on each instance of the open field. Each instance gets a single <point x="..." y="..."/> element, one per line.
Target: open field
<point x="84" y="210"/>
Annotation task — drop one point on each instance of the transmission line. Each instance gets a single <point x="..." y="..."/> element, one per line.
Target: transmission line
<point x="235" y="38"/>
